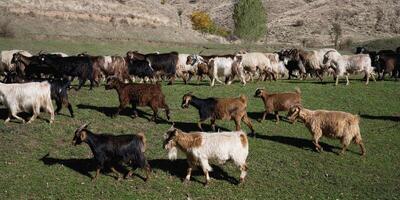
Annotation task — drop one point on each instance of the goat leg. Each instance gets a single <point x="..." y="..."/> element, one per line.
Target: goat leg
<point x="277" y="117"/>
<point x="116" y="172"/>
<point x="97" y="174"/>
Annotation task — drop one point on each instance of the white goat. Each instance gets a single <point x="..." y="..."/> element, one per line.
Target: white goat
<point x="26" y="97"/>
<point x="6" y="57"/>
<point x="334" y="124"/>
<point x="183" y="69"/>
<point x="226" y="67"/>
<point x="349" y="64"/>
<point x="200" y="147"/>
<point x="255" y="61"/>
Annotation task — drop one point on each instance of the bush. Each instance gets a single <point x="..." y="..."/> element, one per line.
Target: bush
<point x="346" y="43"/>
<point x="6" y="30"/>
<point x="201" y="21"/>
<point x="250" y="19"/>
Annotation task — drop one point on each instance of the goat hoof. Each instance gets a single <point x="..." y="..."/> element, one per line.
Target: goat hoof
<point x="259" y="120"/>
<point x="186" y="181"/>
<point x="94" y="179"/>
<point x="119" y="178"/>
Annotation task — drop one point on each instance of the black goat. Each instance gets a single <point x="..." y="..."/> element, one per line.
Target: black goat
<point x="109" y="150"/>
<point x="74" y="66"/>
<point x="140" y="68"/>
<point x="59" y="92"/>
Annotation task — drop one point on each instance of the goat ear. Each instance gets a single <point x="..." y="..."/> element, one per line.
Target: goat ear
<point x="83" y="135"/>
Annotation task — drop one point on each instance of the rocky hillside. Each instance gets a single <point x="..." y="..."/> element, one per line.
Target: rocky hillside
<point x="289" y="21"/>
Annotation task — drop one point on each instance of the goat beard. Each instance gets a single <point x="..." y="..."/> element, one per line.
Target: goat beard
<point x="173" y="153"/>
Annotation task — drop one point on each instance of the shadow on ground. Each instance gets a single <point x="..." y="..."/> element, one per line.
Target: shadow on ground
<point x="179" y="167"/>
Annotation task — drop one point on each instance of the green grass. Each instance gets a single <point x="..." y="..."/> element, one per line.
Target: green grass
<point x="385" y="43"/>
<point x="282" y="162"/>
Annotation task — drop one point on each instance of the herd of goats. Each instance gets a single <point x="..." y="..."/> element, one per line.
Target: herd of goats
<point x="32" y="81"/>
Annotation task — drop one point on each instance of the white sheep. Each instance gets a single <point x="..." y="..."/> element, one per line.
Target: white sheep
<point x="333" y="124"/>
<point x="349" y="64"/>
<point x="26" y="97"/>
<point x="200" y="147"/>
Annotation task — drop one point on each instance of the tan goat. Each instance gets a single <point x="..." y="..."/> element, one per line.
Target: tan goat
<point x="333" y="124"/>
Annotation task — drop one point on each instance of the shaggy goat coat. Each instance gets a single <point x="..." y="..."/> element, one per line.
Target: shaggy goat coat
<point x="200" y="147"/>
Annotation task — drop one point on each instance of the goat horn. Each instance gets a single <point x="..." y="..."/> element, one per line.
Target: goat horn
<point x="82" y="127"/>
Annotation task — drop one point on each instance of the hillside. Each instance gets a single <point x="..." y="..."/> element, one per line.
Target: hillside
<point x="289" y="21"/>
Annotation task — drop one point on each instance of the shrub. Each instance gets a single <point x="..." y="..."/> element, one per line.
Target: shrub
<point x="250" y="19"/>
<point x="346" y="43"/>
<point x="6" y="30"/>
<point x="201" y="21"/>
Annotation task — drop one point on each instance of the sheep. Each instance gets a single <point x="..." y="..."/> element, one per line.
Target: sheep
<point x="334" y="124"/>
<point x="138" y="95"/>
<point x="348" y="64"/>
<point x="219" y="108"/>
<point x="110" y="150"/>
<point x="276" y="102"/>
<point x="200" y="147"/>
<point x="26" y="97"/>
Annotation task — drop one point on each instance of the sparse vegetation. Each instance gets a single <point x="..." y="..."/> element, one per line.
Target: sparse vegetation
<point x="6" y="30"/>
<point x="336" y="33"/>
<point x="298" y="23"/>
<point x="250" y="19"/>
<point x="346" y="43"/>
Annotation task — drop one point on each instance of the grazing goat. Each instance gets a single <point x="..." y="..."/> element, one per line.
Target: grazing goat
<point x="276" y="102"/>
<point x="59" y="92"/>
<point x="200" y="147"/>
<point x="111" y="150"/>
<point x="334" y="124"/>
<point x="138" y="95"/>
<point x="26" y="97"/>
<point x="348" y="64"/>
<point x="219" y="108"/>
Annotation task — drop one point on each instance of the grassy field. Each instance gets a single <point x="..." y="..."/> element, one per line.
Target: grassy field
<point x="37" y="161"/>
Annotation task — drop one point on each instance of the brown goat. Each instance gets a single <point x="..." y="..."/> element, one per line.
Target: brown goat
<point x="278" y="101"/>
<point x="219" y="108"/>
<point x="138" y="95"/>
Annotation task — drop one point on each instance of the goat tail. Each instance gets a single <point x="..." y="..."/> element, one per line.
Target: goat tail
<point x="353" y="125"/>
<point x="142" y="138"/>
<point x="297" y="90"/>
<point x="243" y="140"/>
<point x="243" y="98"/>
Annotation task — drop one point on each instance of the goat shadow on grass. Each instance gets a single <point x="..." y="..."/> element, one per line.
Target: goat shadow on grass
<point x="84" y="166"/>
<point x="317" y="82"/>
<point x="385" y="118"/>
<point x="270" y="117"/>
<point x="179" y="167"/>
<point x="24" y="115"/>
<point x="297" y="142"/>
<point x="110" y="111"/>
<point x="188" y="126"/>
